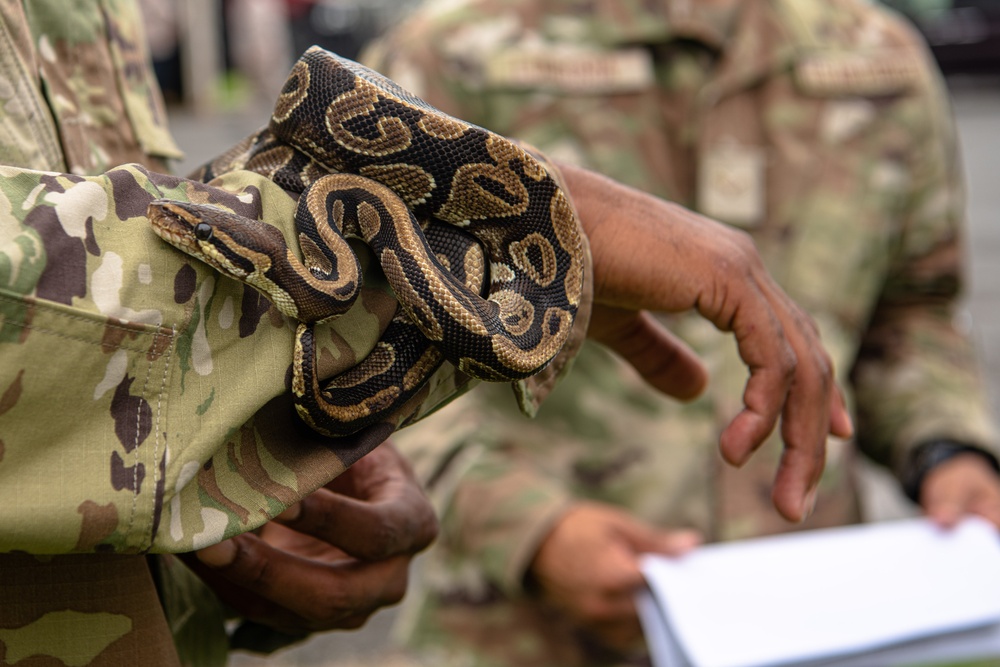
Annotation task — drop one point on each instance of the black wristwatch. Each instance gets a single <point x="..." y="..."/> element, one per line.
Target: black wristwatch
<point x="929" y="455"/>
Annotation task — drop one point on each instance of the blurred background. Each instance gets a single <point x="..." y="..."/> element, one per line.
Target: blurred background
<point x="219" y="89"/>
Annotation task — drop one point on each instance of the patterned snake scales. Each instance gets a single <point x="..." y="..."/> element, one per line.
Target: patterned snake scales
<point x="476" y="239"/>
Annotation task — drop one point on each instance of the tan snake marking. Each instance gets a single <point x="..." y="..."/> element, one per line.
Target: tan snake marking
<point x="375" y="163"/>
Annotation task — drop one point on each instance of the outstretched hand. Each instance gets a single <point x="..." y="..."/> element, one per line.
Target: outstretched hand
<point x="650" y="254"/>
<point x="333" y="559"/>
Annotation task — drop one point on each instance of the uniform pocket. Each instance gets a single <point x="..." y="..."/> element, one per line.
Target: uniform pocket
<point x="82" y="411"/>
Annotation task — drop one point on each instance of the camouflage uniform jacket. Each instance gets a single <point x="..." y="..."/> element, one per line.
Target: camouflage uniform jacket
<point x="143" y="398"/>
<point x="822" y="128"/>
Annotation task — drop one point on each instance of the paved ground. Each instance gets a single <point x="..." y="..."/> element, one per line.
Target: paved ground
<point x="977" y="107"/>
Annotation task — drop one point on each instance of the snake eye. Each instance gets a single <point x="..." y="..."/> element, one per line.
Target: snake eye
<point x="203" y="231"/>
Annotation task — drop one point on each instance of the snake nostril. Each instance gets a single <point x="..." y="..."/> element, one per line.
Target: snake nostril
<point x="203" y="231"/>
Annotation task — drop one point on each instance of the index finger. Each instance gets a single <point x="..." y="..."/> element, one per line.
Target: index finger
<point x="815" y="410"/>
<point x="772" y="362"/>
<point x="401" y="524"/>
<point x="375" y="510"/>
<point x="662" y="359"/>
<point x="812" y="408"/>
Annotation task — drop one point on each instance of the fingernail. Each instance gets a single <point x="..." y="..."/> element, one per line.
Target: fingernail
<point x="291" y="514"/>
<point x="218" y="555"/>
<point x="809" y="505"/>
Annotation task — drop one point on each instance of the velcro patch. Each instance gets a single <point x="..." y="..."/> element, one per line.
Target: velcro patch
<point x="883" y="73"/>
<point x="732" y="179"/>
<point x="571" y="69"/>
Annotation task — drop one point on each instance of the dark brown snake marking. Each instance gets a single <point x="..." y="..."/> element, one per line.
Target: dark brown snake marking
<point x="375" y="163"/>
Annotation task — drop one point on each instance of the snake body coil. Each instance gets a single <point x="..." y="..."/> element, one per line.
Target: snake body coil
<point x="374" y="163"/>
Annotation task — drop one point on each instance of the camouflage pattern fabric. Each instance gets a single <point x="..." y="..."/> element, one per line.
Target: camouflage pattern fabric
<point x="157" y="343"/>
<point x="144" y="402"/>
<point x="820" y="127"/>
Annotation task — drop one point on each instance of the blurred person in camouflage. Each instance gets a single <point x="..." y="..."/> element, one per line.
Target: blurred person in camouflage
<point x="822" y="129"/>
<point x="121" y="434"/>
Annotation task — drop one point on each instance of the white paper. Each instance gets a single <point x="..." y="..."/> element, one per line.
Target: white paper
<point x="820" y="597"/>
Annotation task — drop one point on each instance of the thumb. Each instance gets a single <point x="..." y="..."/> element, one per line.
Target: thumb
<point x="664" y="361"/>
<point x="633" y="539"/>
<point x="946" y="492"/>
<point x="945" y="505"/>
<point x="643" y="538"/>
<point x="676" y="542"/>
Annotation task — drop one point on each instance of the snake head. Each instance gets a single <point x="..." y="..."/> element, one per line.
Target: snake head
<point x="236" y="246"/>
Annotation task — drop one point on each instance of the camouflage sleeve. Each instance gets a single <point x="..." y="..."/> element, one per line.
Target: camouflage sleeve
<point x="143" y="397"/>
<point x="496" y="501"/>
<point x="501" y="511"/>
<point x="916" y="375"/>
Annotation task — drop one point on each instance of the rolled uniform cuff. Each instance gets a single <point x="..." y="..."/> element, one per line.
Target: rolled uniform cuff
<point x="929" y="455"/>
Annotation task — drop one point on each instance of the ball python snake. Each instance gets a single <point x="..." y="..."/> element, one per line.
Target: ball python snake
<point x="476" y="238"/>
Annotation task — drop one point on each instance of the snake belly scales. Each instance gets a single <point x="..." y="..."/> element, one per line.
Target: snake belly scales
<point x="478" y="242"/>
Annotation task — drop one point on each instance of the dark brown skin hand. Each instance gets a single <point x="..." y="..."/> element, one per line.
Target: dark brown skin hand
<point x="588" y="568"/>
<point x="333" y="559"/>
<point x="652" y="255"/>
<point x="962" y="485"/>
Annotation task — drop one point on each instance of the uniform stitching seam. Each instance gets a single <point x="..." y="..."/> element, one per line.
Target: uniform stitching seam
<point x="137" y="446"/>
<point x="136" y="457"/>
<point x="49" y="141"/>
<point x="156" y="425"/>
<point x="89" y="320"/>
<point x="112" y="346"/>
